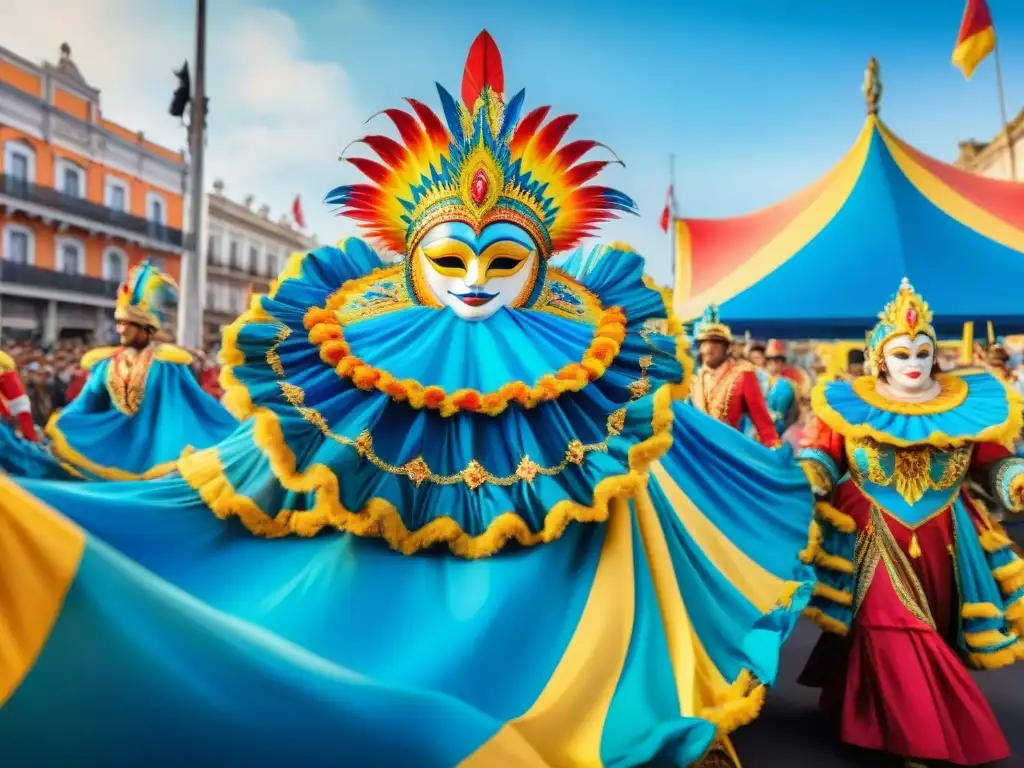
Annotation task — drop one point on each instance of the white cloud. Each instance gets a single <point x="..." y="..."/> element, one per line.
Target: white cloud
<point x="278" y="119"/>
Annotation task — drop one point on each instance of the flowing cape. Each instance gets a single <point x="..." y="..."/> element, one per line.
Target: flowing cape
<point x="432" y="554"/>
<point x="104" y="442"/>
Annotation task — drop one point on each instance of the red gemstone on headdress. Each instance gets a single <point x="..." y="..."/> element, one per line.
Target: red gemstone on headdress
<point x="478" y="188"/>
<point x="911" y="317"/>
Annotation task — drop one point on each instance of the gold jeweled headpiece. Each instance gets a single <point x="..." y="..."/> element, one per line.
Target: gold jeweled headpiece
<point x="482" y="165"/>
<point x="908" y="314"/>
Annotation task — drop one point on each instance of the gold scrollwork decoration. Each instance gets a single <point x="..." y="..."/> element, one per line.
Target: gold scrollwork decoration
<point x="474" y="475"/>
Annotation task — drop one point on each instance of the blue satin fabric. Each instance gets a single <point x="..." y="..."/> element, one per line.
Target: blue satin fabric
<point x="436" y="347"/>
<point x="22" y="458"/>
<point x="338" y="645"/>
<point x="175" y="413"/>
<point x="986" y="405"/>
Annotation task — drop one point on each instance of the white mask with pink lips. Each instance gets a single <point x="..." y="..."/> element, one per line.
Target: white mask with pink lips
<point x="909" y="363"/>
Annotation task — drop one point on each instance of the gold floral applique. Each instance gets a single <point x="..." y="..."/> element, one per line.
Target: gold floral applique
<point x="126" y="378"/>
<point x="912" y="470"/>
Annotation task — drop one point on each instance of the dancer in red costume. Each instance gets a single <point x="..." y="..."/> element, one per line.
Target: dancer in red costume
<point x="726" y="389"/>
<point x="913" y="577"/>
<point x="14" y="403"/>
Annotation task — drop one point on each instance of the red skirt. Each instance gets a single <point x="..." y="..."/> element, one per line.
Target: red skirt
<point x="895" y="684"/>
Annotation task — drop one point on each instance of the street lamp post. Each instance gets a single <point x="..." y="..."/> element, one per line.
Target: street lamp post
<point x="190" y="315"/>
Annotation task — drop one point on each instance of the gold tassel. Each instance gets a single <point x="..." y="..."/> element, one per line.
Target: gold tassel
<point x="915" y="548"/>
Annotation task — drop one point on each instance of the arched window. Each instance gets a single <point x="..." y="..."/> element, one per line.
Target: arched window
<point x="115" y="264"/>
<point x="156" y="208"/>
<point x="69" y="255"/>
<point x="19" y="165"/>
<point x="69" y="178"/>
<point x="19" y="244"/>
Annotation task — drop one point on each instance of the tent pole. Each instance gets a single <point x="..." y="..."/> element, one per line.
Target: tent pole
<point x="1002" y="109"/>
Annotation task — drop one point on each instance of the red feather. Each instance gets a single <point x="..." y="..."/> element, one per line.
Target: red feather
<point x="572" y="152"/>
<point x="408" y="128"/>
<point x="552" y="133"/>
<point x="431" y="123"/>
<point x="582" y="173"/>
<point x="526" y="128"/>
<point x="483" y="68"/>
<point x="390" y="151"/>
<point x="371" y="169"/>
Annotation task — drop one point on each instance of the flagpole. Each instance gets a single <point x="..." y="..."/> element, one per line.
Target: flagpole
<point x="672" y="220"/>
<point x="1002" y="109"/>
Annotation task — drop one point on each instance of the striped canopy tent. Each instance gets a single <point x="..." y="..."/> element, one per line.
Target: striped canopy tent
<point x="823" y="263"/>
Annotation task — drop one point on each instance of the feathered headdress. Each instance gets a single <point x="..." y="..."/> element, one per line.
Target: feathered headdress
<point x="146" y="296"/>
<point x="908" y="314"/>
<point x="483" y="164"/>
<point x="711" y="328"/>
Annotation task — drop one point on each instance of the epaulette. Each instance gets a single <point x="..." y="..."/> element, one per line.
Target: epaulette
<point x="93" y="356"/>
<point x="168" y="353"/>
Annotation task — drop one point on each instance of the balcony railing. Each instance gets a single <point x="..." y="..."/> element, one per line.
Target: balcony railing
<point x="36" y="277"/>
<point x="14" y="186"/>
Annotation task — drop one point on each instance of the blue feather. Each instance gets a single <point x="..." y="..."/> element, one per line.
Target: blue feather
<point x="338" y="195"/>
<point x="512" y="113"/>
<point x="451" y="115"/>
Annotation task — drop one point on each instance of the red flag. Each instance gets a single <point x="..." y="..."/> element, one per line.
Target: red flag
<point x="666" y="213"/>
<point x="297" y="213"/>
<point x="976" y="39"/>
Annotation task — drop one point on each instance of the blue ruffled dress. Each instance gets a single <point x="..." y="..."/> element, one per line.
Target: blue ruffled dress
<point x="430" y="543"/>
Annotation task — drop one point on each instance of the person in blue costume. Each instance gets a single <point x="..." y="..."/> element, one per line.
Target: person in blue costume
<point x="467" y="519"/>
<point x="916" y="583"/>
<point x="141" y="406"/>
<point x="779" y="392"/>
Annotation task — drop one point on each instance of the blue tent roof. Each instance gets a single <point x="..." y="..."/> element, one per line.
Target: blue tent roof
<point x="824" y="263"/>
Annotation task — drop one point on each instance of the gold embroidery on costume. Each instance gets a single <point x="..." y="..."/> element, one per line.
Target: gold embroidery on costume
<point x="475" y="474"/>
<point x="912" y="471"/>
<point x="126" y="378"/>
<point x="376" y="294"/>
<point x="564" y="297"/>
<point x="716" y="398"/>
<point x="877" y="545"/>
<point x="642" y="386"/>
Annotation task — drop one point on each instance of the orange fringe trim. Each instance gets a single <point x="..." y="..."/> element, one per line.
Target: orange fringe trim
<point x="325" y="332"/>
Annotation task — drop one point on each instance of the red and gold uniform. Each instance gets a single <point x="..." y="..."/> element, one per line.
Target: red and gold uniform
<point x="14" y="403"/>
<point x="730" y="392"/>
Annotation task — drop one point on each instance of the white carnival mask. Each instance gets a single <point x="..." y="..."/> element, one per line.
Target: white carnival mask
<point x="909" y="362"/>
<point x="475" y="274"/>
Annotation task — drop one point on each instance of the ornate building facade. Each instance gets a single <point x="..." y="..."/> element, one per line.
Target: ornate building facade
<point x="82" y="199"/>
<point x="246" y="249"/>
<point x="992" y="158"/>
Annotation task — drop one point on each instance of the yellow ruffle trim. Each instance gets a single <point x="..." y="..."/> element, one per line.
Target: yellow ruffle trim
<point x="325" y="332"/>
<point x="379" y="518"/>
<point x="93" y="356"/>
<point x="74" y="461"/>
<point x="953" y="393"/>
<point x="168" y="353"/>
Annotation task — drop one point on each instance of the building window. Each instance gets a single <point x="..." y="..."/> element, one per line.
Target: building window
<point x="157" y="262"/>
<point x="116" y="194"/>
<point x="233" y="260"/>
<point x="115" y="265"/>
<point x="19" y="163"/>
<point x="156" y="208"/>
<point x="70" y="256"/>
<point x="19" y="244"/>
<point x="70" y="178"/>
<point x="272" y="263"/>
<point x="211" y="297"/>
<point x="211" y="249"/>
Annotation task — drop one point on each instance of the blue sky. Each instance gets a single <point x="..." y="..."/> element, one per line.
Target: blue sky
<point x="756" y="98"/>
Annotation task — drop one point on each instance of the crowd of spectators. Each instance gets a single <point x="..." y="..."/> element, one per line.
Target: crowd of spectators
<point x="53" y="377"/>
